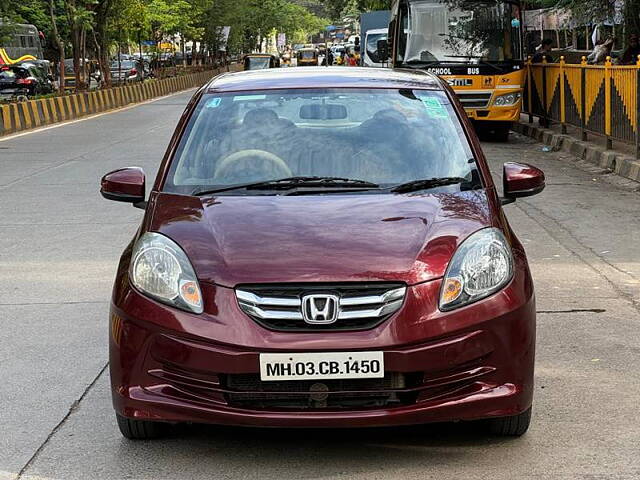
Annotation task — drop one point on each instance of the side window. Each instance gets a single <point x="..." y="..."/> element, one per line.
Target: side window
<point x="23" y="41"/>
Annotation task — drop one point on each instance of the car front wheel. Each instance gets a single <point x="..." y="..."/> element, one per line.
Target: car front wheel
<point x="511" y="426"/>
<point x="139" y="429"/>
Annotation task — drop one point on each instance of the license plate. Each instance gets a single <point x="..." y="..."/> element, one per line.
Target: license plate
<point x="321" y="366"/>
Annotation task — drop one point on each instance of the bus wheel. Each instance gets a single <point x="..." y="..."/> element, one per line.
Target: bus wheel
<point x="501" y="132"/>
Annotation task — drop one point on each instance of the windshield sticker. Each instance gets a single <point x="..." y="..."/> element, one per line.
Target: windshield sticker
<point x="434" y="107"/>
<point x="214" y="102"/>
<point x="244" y="98"/>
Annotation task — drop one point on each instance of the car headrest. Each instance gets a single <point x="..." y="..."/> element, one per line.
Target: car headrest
<point x="259" y="117"/>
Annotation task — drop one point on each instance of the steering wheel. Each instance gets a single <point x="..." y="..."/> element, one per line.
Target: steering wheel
<point x="230" y="160"/>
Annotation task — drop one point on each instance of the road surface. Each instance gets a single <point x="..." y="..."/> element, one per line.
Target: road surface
<point x="59" y="244"/>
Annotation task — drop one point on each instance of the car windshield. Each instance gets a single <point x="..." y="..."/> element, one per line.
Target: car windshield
<point x="463" y="31"/>
<point x="372" y="45"/>
<point x="125" y="64"/>
<point x="307" y="54"/>
<point x="257" y="63"/>
<point x="381" y="136"/>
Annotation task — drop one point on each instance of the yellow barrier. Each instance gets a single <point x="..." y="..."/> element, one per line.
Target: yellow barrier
<point x="15" y="117"/>
<point x="602" y="99"/>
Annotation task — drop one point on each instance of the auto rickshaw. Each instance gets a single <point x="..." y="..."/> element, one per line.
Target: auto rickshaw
<point x="260" y="61"/>
<point x="307" y="56"/>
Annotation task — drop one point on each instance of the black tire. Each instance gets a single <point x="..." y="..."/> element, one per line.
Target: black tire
<point x="511" y="426"/>
<point x="139" y="429"/>
<point x="501" y="133"/>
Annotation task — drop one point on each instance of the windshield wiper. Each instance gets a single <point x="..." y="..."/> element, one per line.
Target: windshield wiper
<point x="289" y="183"/>
<point x="425" y="183"/>
<point x="294" y="182"/>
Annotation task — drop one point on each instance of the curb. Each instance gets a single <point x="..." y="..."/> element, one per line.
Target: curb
<point x="18" y="117"/>
<point x="624" y="165"/>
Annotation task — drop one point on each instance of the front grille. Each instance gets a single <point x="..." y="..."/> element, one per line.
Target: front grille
<point x="359" y="306"/>
<point x="474" y="99"/>
<point x="249" y="392"/>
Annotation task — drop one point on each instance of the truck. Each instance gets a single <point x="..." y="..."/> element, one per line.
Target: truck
<point x="373" y="27"/>
<point x="475" y="45"/>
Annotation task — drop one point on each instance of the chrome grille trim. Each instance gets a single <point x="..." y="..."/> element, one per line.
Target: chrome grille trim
<point x="271" y="314"/>
<point x="474" y="99"/>
<point x="384" y="298"/>
<point x="252" y="298"/>
<point x="350" y="307"/>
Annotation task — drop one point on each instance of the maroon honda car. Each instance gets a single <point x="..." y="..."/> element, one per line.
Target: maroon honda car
<point x="324" y="248"/>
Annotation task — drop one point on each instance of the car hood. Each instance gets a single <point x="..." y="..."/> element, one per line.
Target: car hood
<point x="232" y="240"/>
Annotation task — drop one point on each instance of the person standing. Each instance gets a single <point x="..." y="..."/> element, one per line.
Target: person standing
<point x="544" y="52"/>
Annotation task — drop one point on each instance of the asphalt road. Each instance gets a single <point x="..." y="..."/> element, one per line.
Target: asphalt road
<point x="59" y="243"/>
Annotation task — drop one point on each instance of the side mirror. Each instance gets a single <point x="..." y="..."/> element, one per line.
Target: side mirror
<point x="521" y="180"/>
<point x="124" y="185"/>
<point x="383" y="50"/>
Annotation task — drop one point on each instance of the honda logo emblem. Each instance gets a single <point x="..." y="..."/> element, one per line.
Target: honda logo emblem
<point x="320" y="308"/>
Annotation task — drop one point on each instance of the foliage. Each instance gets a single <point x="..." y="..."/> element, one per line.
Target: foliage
<point x="107" y="25"/>
<point x="339" y="8"/>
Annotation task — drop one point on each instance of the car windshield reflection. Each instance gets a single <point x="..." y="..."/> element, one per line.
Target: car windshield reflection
<point x="381" y="136"/>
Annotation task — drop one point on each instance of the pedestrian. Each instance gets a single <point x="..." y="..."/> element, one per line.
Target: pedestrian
<point x="544" y="52"/>
<point x="630" y="55"/>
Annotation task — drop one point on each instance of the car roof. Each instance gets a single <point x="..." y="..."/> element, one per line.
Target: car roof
<point x="323" y="77"/>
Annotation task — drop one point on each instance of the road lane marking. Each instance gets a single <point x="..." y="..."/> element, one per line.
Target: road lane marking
<point x="90" y="117"/>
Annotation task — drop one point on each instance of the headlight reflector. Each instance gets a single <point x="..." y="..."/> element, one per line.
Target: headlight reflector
<point x="482" y="265"/>
<point x="507" y="99"/>
<point x="160" y="269"/>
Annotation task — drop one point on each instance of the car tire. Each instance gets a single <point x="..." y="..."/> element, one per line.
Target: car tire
<point x="139" y="429"/>
<point x="511" y="426"/>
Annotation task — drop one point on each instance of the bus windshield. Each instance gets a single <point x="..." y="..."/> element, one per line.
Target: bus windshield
<point x="463" y="31"/>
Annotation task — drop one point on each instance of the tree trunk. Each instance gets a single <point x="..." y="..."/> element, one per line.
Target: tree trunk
<point x="631" y="18"/>
<point x="102" y="42"/>
<point x="59" y="46"/>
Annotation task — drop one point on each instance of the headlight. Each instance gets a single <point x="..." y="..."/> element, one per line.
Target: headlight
<point x="159" y="268"/>
<point x="507" y="99"/>
<point x="482" y="265"/>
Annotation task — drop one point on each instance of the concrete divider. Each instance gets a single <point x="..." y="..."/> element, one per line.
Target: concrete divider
<point x="16" y="117"/>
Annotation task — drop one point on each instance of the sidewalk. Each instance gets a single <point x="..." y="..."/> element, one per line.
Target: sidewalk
<point x="620" y="160"/>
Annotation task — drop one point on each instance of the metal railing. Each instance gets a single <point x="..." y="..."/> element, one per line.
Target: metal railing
<point x="599" y="99"/>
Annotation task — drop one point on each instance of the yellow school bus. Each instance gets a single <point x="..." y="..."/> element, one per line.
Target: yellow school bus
<point x="475" y="45"/>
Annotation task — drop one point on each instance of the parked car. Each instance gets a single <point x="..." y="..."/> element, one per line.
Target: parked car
<point x="94" y="76"/>
<point x="323" y="249"/>
<point x="126" y="71"/>
<point x="164" y="65"/>
<point x="22" y="81"/>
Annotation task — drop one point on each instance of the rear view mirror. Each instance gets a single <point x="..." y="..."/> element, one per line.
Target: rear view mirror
<point x="383" y="50"/>
<point x="521" y="180"/>
<point x="323" y="111"/>
<point x="124" y="185"/>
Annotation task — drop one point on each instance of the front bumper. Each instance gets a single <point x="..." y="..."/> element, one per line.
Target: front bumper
<point x="471" y="363"/>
